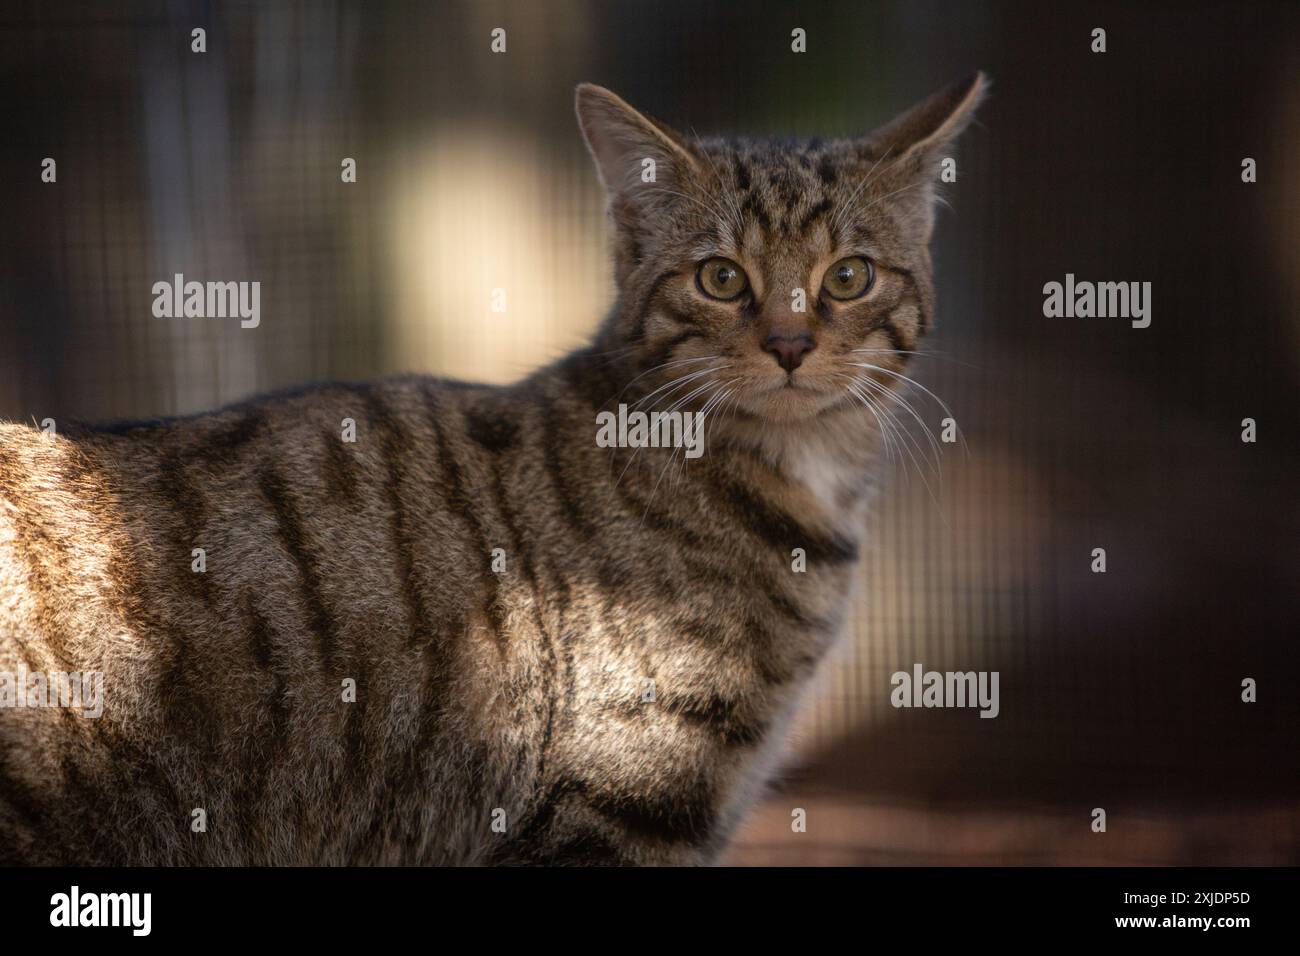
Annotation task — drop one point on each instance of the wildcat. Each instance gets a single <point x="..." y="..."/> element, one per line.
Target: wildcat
<point x="472" y="636"/>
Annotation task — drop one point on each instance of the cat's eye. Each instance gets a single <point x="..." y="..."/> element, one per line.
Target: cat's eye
<point x="849" y="278"/>
<point x="720" y="278"/>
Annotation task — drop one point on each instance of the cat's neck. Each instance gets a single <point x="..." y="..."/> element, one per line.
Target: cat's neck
<point x="835" y="457"/>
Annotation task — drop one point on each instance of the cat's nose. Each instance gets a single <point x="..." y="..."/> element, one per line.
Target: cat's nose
<point x="789" y="350"/>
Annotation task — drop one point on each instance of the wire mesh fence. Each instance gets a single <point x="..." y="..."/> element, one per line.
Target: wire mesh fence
<point x="471" y="177"/>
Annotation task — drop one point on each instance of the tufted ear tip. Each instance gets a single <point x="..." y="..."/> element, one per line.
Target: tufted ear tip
<point x="588" y="97"/>
<point x="977" y="84"/>
<point x="938" y="119"/>
<point x="620" y="139"/>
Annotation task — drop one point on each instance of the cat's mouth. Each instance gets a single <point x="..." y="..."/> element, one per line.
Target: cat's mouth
<point x="805" y="383"/>
<point x="790" y="381"/>
<point x="793" y="398"/>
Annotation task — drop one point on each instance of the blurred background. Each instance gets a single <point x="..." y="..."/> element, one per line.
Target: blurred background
<point x="1119" y="690"/>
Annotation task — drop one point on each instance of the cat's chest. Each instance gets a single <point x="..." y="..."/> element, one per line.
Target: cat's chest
<point x="836" y="488"/>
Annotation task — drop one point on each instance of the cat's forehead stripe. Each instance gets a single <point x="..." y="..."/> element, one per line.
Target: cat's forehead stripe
<point x="784" y="188"/>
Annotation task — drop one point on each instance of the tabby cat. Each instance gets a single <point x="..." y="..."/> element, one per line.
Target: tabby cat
<point x="472" y="635"/>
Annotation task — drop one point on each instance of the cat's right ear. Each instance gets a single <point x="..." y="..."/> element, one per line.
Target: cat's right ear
<point x="633" y="152"/>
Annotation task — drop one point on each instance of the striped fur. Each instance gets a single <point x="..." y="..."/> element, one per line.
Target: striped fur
<point x="513" y="695"/>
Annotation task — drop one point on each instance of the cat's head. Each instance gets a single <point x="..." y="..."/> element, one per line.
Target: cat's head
<point x="762" y="270"/>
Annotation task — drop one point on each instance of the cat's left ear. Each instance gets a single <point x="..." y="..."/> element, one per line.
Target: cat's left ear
<point x="913" y="145"/>
<point x="632" y="151"/>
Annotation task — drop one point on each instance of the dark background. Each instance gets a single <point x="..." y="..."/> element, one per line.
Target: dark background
<point x="1119" y="690"/>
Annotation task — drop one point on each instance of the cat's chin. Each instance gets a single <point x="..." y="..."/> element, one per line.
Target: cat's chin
<point x="791" y="404"/>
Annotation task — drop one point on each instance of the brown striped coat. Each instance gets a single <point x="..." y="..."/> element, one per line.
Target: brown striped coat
<point x="501" y="714"/>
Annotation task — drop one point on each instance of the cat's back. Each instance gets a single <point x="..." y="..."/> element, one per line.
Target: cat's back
<point x="55" y="548"/>
<point x="81" y="507"/>
<point x="277" y="589"/>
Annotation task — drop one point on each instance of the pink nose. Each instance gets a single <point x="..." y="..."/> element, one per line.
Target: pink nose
<point x="789" y="350"/>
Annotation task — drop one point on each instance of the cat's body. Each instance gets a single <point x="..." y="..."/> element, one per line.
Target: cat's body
<point x="521" y="689"/>
<point x="610" y="686"/>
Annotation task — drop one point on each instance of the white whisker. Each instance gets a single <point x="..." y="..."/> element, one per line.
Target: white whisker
<point x="915" y="383"/>
<point x="677" y="383"/>
<point x="895" y="397"/>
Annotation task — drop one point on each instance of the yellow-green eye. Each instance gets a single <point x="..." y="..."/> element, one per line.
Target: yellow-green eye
<point x="721" y="278"/>
<point x="849" y="278"/>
